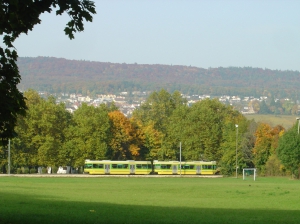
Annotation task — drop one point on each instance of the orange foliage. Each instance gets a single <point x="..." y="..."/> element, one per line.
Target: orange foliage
<point x="266" y="142"/>
<point x="125" y="137"/>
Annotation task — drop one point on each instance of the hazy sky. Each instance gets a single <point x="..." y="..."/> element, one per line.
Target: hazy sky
<point x="201" y="33"/>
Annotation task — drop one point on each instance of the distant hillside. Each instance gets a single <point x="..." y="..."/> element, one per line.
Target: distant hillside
<point x="61" y="75"/>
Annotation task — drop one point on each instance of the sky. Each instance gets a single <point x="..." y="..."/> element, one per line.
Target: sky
<point x="200" y="33"/>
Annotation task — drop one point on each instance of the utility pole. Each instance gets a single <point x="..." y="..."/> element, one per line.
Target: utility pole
<point x="8" y="167"/>
<point x="236" y="146"/>
<point x="180" y="158"/>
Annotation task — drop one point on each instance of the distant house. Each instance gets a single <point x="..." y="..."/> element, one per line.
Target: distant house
<point x="81" y="99"/>
<point x="71" y="109"/>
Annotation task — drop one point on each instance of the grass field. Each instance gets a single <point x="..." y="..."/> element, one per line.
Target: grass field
<point x="287" y="121"/>
<point x="149" y="200"/>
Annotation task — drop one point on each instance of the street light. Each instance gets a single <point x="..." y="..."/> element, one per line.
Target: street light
<point x="298" y="119"/>
<point x="8" y="162"/>
<point x="236" y="145"/>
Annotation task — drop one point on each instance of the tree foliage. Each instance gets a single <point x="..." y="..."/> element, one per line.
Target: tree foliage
<point x="289" y="150"/>
<point x="206" y="131"/>
<point x="41" y="133"/>
<point x="18" y="17"/>
<point x="126" y="139"/>
<point x="157" y="109"/>
<point x="265" y="144"/>
<point x="87" y="136"/>
<point x="50" y="136"/>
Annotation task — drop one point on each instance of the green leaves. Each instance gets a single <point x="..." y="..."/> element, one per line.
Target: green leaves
<point x="87" y="137"/>
<point x="17" y="17"/>
<point x="289" y="150"/>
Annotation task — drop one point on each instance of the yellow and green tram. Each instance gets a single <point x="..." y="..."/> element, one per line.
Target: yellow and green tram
<point x="130" y="167"/>
<point x="185" y="168"/>
<point x="117" y="167"/>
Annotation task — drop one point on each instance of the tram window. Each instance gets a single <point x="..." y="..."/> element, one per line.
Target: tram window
<point x="88" y="166"/>
<point x="119" y="166"/>
<point x="157" y="166"/>
<point x="165" y="166"/>
<point x="97" y="165"/>
<point x="143" y="166"/>
<point x="207" y="167"/>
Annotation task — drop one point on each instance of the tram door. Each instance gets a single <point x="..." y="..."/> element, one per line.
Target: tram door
<point x="132" y="169"/>
<point x="107" y="168"/>
<point x="198" y="169"/>
<point x="174" y="168"/>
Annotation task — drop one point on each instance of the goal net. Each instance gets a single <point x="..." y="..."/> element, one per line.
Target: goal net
<point x="249" y="173"/>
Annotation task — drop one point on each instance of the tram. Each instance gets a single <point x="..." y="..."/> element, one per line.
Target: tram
<point x="117" y="167"/>
<point x="185" y="168"/>
<point x="130" y="167"/>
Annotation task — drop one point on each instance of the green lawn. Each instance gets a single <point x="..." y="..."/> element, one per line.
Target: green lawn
<point x="287" y="121"/>
<point x="149" y="200"/>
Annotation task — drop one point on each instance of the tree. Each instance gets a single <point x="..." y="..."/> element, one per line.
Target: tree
<point x="264" y="109"/>
<point x="41" y="132"/>
<point x="152" y="141"/>
<point x="87" y="136"/>
<point x="153" y="118"/>
<point x="206" y="131"/>
<point x="126" y="139"/>
<point x="18" y="17"/>
<point x="265" y="144"/>
<point x="158" y="108"/>
<point x="288" y="150"/>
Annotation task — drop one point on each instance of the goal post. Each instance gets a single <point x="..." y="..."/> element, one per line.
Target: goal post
<point x="245" y="171"/>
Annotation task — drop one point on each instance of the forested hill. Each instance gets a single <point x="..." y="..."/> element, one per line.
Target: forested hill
<point x="74" y="76"/>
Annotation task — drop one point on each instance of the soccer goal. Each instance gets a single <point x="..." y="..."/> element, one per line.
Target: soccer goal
<point x="249" y="172"/>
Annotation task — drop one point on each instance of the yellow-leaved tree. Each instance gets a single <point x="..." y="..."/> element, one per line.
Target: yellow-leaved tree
<point x="126" y="138"/>
<point x="265" y="144"/>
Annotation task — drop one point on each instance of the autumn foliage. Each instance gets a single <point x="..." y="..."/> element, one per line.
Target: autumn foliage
<point x="50" y="136"/>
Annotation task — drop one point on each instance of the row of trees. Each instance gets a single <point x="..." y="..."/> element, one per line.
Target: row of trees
<point x="50" y="136"/>
<point x="283" y="106"/>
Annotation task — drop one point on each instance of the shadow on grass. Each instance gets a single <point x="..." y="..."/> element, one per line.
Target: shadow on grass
<point x="25" y="209"/>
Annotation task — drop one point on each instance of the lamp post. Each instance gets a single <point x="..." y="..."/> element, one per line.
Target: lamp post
<point x="180" y="158"/>
<point x="236" y="145"/>
<point x="298" y="119"/>
<point x="8" y="165"/>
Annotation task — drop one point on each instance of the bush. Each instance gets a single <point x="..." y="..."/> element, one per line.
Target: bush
<point x="12" y="169"/>
<point x="44" y="170"/>
<point x="54" y="169"/>
<point x="19" y="170"/>
<point x="25" y="170"/>
<point x="33" y="170"/>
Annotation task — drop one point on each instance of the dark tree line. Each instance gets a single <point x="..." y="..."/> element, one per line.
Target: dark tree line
<point x="115" y="78"/>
